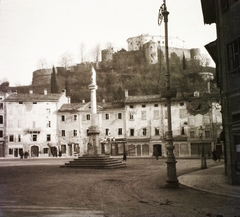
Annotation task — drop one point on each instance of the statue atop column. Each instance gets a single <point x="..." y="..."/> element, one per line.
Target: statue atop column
<point x="93" y="76"/>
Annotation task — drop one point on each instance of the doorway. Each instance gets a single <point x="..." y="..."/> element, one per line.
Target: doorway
<point x="34" y="151"/>
<point x="157" y="150"/>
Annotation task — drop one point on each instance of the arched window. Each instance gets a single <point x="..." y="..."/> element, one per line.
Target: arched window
<point x="1" y="119"/>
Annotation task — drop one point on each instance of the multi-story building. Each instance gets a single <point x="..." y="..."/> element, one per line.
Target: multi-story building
<point x="146" y="125"/>
<point x="48" y="125"/>
<point x="2" y="124"/>
<point x="31" y="124"/>
<point x="74" y="121"/>
<point x="225" y="52"/>
<point x="137" y="42"/>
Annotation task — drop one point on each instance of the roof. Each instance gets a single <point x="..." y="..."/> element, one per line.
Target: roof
<point x="143" y="99"/>
<point x="209" y="11"/>
<point x="73" y="107"/>
<point x="34" y="97"/>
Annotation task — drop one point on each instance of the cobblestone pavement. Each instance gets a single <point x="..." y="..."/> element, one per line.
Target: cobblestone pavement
<point x="39" y="187"/>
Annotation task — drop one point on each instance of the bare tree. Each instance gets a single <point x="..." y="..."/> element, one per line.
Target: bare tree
<point x="82" y="52"/>
<point x="109" y="45"/>
<point x="204" y="60"/>
<point x="66" y="60"/>
<point x="96" y="53"/>
<point x="42" y="64"/>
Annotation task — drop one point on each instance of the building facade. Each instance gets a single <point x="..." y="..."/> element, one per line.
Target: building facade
<point x="31" y="124"/>
<point x="146" y="125"/>
<point x="225" y="53"/>
<point x="74" y="121"/>
<point x="2" y="124"/>
<point x="46" y="125"/>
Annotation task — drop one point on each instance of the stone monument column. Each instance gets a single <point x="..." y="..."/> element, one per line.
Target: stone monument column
<point x="93" y="131"/>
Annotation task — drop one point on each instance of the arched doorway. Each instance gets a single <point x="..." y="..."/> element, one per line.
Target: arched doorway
<point x="34" y="151"/>
<point x="157" y="150"/>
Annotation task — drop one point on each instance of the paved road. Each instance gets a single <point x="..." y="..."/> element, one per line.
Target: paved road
<point x="39" y="187"/>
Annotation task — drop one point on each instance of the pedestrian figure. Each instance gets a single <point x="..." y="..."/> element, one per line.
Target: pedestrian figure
<point x="156" y="155"/>
<point x="124" y="156"/>
<point x="214" y="155"/>
<point x="21" y="154"/>
<point x="218" y="156"/>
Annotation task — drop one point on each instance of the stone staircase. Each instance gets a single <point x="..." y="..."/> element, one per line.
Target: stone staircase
<point x="95" y="162"/>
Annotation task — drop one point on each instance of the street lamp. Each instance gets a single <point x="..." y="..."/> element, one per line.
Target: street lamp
<point x="203" y="157"/>
<point x="171" y="180"/>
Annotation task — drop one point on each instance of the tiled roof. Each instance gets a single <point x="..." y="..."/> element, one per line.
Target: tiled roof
<point x="85" y="106"/>
<point x="26" y="97"/>
<point x="71" y="107"/>
<point x="147" y="98"/>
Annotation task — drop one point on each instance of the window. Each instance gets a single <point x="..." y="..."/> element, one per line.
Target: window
<point x="155" y="105"/>
<point x="48" y="137"/>
<point x="1" y="134"/>
<point x="10" y="151"/>
<point x="63" y="117"/>
<point x="131" y="132"/>
<point x="34" y="102"/>
<point x="19" y="138"/>
<point x="1" y="119"/>
<point x="192" y="134"/>
<point x="207" y="134"/>
<point x="144" y="131"/>
<point x="131" y="106"/>
<point x="74" y="132"/>
<point x="20" y="102"/>
<point x="106" y="132"/>
<point x="181" y="103"/>
<point x="45" y="150"/>
<point x="88" y="117"/>
<point x="131" y="116"/>
<point x="75" y="117"/>
<point x="156" y="131"/>
<point x="11" y="138"/>
<point x="1" y="106"/>
<point x="119" y="131"/>
<point x="143" y="106"/>
<point x="144" y="115"/>
<point x="233" y="55"/>
<point x="48" y="124"/>
<point x="107" y="116"/>
<point x="119" y="115"/>
<point x="63" y="133"/>
<point x="34" y="137"/>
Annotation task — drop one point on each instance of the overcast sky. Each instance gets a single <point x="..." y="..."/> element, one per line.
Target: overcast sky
<point x="31" y="30"/>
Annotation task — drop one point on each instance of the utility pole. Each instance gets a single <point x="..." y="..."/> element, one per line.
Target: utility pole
<point x="171" y="181"/>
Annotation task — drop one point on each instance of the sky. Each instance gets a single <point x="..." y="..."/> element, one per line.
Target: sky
<point x="37" y="31"/>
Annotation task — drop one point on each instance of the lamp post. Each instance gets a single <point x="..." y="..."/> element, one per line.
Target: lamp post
<point x="203" y="157"/>
<point x="171" y="180"/>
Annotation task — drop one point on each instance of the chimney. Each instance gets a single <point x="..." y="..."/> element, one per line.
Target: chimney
<point x="83" y="101"/>
<point x="30" y="91"/>
<point x="103" y="100"/>
<point x="126" y="93"/>
<point x="45" y="91"/>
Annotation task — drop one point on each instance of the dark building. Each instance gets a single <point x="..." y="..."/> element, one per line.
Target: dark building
<point x="225" y="51"/>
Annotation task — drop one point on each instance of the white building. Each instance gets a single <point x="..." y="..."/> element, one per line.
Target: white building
<point x="31" y="123"/>
<point x="137" y="42"/>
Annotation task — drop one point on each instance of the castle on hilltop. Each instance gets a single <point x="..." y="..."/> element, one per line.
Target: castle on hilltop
<point x="143" y="48"/>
